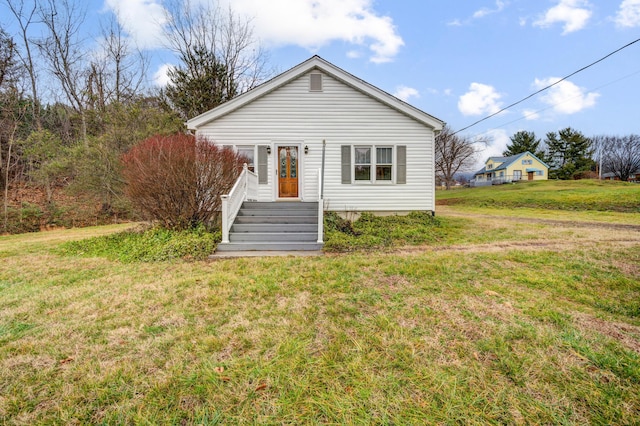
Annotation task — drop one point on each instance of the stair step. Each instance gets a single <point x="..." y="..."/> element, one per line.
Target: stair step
<point x="276" y="212"/>
<point x="275" y="237"/>
<point x="276" y="219"/>
<point x="277" y="227"/>
<point x="284" y="246"/>
<point x="289" y="205"/>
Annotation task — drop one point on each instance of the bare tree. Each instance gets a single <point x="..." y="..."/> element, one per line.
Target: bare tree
<point x="62" y="50"/>
<point x="454" y="154"/>
<point x="195" y="30"/>
<point x="7" y="59"/>
<point x="25" y="17"/>
<point x="117" y="71"/>
<point x="619" y="155"/>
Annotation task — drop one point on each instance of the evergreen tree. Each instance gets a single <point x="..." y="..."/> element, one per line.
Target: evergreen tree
<point x="524" y="141"/>
<point x="568" y="153"/>
<point x="199" y="85"/>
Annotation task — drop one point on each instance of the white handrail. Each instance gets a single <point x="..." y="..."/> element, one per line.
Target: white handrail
<point x="245" y="188"/>
<point x="320" y="209"/>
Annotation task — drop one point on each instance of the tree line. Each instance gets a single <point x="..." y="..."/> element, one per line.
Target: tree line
<point x="72" y="103"/>
<point x="568" y="153"/>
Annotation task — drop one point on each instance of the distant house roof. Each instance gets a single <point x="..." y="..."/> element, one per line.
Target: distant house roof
<point x="507" y="161"/>
<point x="317" y="63"/>
<point x="612" y="174"/>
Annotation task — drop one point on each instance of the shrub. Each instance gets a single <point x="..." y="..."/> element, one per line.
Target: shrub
<point x="372" y="232"/>
<point x="178" y="180"/>
<point x="150" y="245"/>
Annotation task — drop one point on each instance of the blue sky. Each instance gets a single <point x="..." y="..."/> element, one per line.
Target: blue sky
<point x="458" y="60"/>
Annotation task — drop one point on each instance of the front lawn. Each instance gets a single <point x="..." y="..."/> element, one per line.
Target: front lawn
<point x="497" y="322"/>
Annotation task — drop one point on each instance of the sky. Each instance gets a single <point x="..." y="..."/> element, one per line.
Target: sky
<point x="458" y="60"/>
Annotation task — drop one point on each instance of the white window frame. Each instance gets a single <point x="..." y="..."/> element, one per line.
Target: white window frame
<point x="373" y="165"/>
<point x="252" y="166"/>
<point x="378" y="163"/>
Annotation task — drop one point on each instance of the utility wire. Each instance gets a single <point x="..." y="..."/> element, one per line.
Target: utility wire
<point x="560" y="103"/>
<point x="547" y="87"/>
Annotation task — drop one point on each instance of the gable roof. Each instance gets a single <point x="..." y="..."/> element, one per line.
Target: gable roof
<point x="507" y="161"/>
<point x="316" y="63"/>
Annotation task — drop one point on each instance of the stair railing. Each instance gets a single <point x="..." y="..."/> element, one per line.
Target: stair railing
<point x="245" y="189"/>
<point x="321" y="195"/>
<point x="320" y="208"/>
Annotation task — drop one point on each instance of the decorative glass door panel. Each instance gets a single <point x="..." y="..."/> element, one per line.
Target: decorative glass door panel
<point x="288" y="170"/>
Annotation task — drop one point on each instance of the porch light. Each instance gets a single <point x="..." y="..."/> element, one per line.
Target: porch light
<point x="306" y="149"/>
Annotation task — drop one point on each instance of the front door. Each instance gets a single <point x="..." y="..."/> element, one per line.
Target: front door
<point x="530" y="175"/>
<point x="288" y="170"/>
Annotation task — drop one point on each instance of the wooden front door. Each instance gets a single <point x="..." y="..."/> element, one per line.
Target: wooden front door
<point x="288" y="171"/>
<point x="530" y="175"/>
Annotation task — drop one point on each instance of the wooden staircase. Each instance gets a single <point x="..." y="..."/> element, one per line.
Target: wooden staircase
<point x="277" y="226"/>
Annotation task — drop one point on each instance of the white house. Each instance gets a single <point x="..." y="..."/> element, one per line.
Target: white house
<point x="378" y="150"/>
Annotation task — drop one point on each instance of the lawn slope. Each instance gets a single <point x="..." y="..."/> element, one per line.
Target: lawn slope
<point x="555" y="195"/>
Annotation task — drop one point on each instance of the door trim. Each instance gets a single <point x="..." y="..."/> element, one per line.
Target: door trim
<point x="275" y="162"/>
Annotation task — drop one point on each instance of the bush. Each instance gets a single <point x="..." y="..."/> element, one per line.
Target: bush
<point x="151" y="245"/>
<point x="372" y="232"/>
<point x="178" y="180"/>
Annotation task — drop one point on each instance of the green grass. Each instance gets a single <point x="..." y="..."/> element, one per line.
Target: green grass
<point x="475" y="327"/>
<point x="146" y="245"/>
<point x="371" y="232"/>
<point x="555" y="195"/>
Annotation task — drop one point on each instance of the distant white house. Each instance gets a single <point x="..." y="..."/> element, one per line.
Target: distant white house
<point x="378" y="150"/>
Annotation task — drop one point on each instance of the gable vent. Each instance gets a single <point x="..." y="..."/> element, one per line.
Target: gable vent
<point x="315" y="82"/>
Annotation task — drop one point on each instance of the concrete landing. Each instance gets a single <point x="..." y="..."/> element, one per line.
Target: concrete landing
<point x="264" y="253"/>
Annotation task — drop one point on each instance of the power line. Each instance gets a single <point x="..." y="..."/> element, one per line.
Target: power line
<point x="560" y="103"/>
<point x="547" y="87"/>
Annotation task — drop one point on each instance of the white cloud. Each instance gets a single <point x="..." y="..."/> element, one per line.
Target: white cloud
<point x="486" y="11"/>
<point x="141" y="19"/>
<point x="314" y="23"/>
<point x="480" y="99"/>
<point x="629" y="14"/>
<point x="160" y="77"/>
<point x="405" y="93"/>
<point x="565" y="97"/>
<point x="530" y="114"/>
<point x="479" y="14"/>
<point x="573" y="13"/>
<point x="498" y="139"/>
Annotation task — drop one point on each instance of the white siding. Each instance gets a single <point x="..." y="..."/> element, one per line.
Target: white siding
<point x="340" y="115"/>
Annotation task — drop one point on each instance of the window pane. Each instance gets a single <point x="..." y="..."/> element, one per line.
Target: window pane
<point x="384" y="156"/>
<point x="363" y="173"/>
<point x="383" y="173"/>
<point x="248" y="153"/>
<point x="363" y="155"/>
